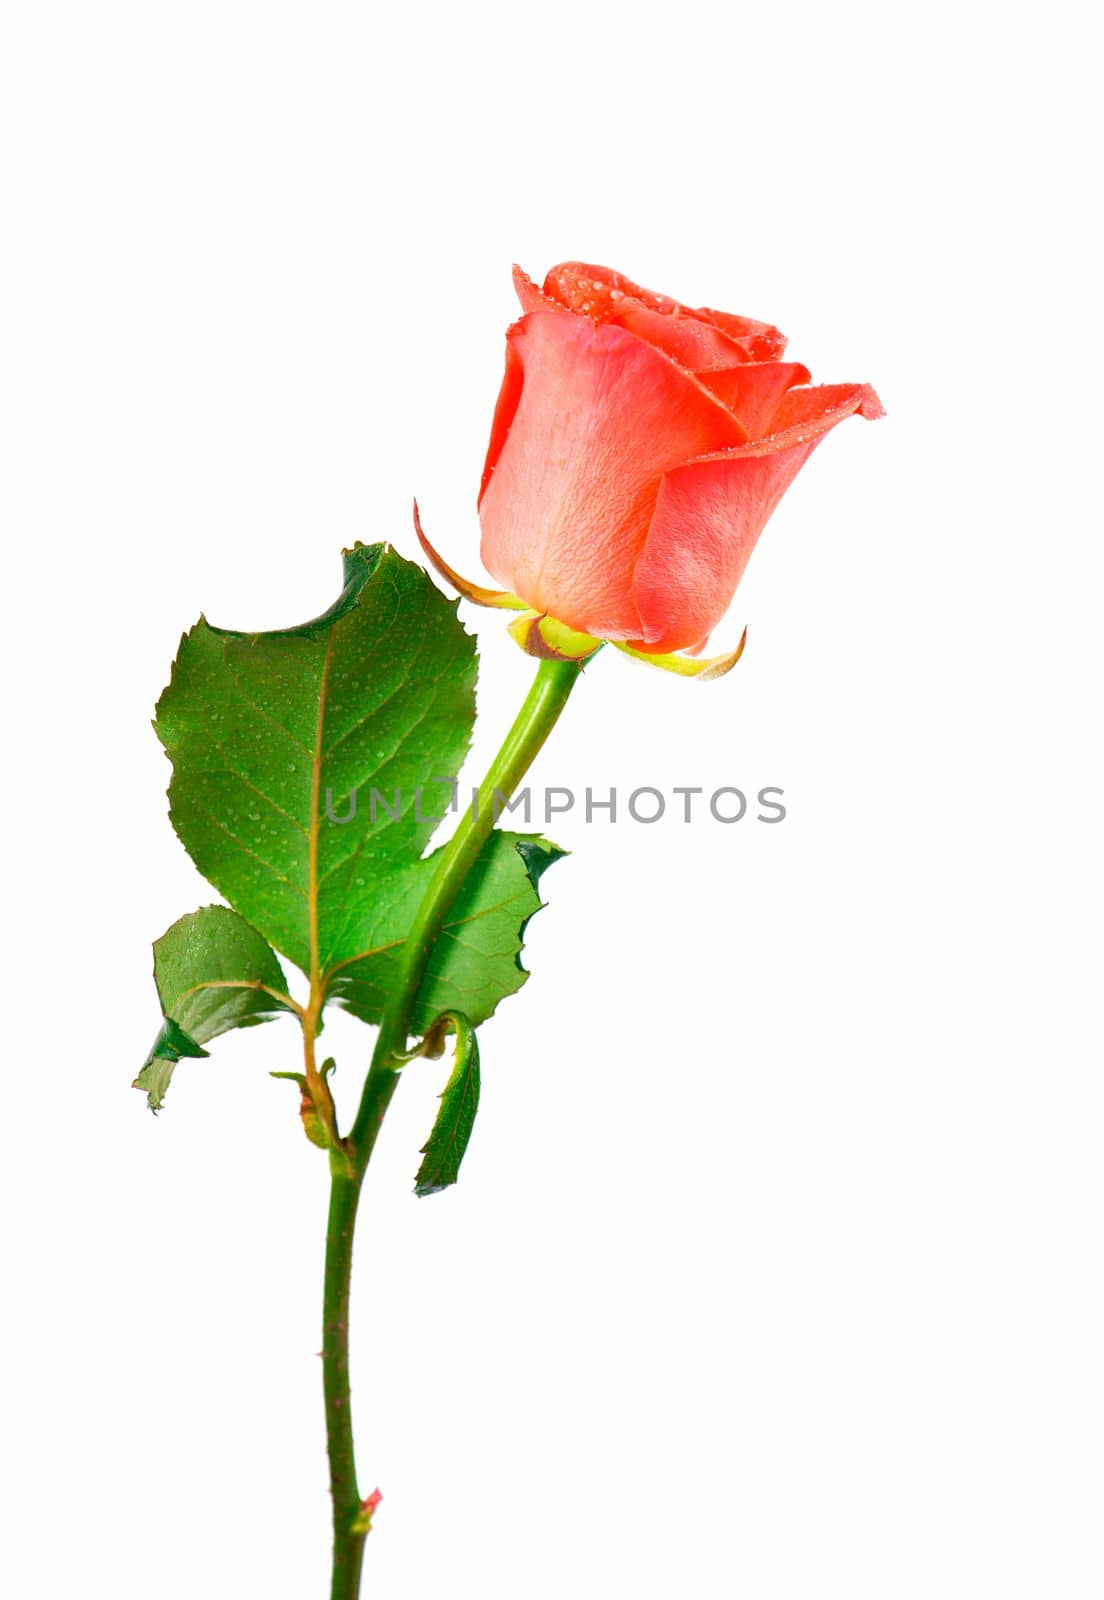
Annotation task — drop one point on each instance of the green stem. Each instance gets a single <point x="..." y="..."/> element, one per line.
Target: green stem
<point x="536" y="719"/>
<point x="546" y="699"/>
<point x="348" y="1545"/>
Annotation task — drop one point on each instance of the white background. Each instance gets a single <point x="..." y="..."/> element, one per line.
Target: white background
<point x="774" y="1271"/>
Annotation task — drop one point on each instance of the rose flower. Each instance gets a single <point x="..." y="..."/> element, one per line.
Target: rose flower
<point x="637" y="450"/>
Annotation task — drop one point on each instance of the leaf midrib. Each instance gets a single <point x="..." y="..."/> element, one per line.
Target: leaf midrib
<point x="238" y="983"/>
<point x="315" y="826"/>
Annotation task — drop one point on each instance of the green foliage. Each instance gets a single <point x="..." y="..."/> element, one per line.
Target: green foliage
<point x="310" y="768"/>
<point x="377" y="694"/>
<point x="313" y="1126"/>
<point x="213" y="972"/>
<point x="476" y="961"/>
<point x="444" y="1149"/>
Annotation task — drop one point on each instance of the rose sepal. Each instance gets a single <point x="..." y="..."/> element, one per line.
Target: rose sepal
<point x="704" y="668"/>
<point x="475" y="592"/>
<point x="548" y="640"/>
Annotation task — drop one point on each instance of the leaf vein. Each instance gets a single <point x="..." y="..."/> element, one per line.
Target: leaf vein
<point x="236" y="772"/>
<point x="259" y="709"/>
<point x="233" y="837"/>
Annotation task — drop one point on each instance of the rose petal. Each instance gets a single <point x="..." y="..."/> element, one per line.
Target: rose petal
<point x="763" y="340"/>
<point x="824" y="405"/>
<point x="702" y="340"/>
<point x="753" y="392"/>
<point x="708" y="517"/>
<point x="505" y="407"/>
<point x="697" y="345"/>
<point x="573" y="477"/>
<point x="710" y="512"/>
<point x="597" y="292"/>
<point x="531" y="296"/>
<point x="810" y="413"/>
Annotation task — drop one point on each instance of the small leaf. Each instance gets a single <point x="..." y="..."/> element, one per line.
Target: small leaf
<point x="213" y="973"/>
<point x="476" y="961"/>
<point x="171" y="1044"/>
<point x="313" y="1125"/>
<point x="445" y="1147"/>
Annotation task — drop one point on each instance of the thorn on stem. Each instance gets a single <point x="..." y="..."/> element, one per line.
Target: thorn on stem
<point x="362" y="1522"/>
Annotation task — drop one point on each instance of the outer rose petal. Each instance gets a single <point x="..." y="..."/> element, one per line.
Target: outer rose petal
<point x="820" y="408"/>
<point x="600" y="418"/>
<point x="507" y="403"/>
<point x="754" y="392"/>
<point x="710" y="513"/>
<point x="708" y="516"/>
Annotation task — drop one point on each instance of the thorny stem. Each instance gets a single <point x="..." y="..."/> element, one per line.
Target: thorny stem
<point x="543" y="704"/>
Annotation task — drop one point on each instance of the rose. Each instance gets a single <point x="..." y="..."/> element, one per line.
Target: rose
<point x="637" y="450"/>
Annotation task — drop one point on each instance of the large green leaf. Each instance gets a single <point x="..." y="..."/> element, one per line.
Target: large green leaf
<point x="213" y="972"/>
<point x="264" y="729"/>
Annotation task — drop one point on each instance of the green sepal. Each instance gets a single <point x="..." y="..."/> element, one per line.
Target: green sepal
<point x="475" y="592"/>
<point x="704" y="668"/>
<point x="444" y="1149"/>
<point x="548" y="640"/>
